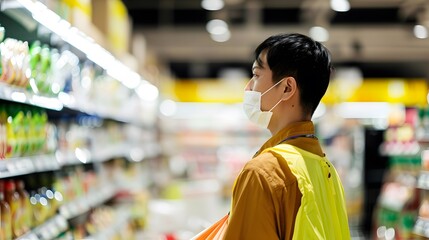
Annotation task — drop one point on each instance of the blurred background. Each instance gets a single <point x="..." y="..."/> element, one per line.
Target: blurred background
<point x="123" y="119"/>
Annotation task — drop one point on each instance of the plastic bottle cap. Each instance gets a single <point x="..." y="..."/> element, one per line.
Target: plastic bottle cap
<point x="19" y="184"/>
<point x="9" y="185"/>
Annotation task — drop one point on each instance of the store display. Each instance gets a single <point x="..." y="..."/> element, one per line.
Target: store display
<point x="402" y="205"/>
<point x="14" y="59"/>
<point x="6" y="215"/>
<point x="12" y="198"/>
<point x="25" y="219"/>
<point x="63" y="118"/>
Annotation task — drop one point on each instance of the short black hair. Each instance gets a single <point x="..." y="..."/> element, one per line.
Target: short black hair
<point x="299" y="56"/>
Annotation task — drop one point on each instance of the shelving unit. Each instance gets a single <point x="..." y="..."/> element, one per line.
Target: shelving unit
<point x="70" y="105"/>
<point x="407" y="182"/>
<point x="84" y="204"/>
<point x="123" y="216"/>
<point x="25" y="165"/>
<point x="49" y="230"/>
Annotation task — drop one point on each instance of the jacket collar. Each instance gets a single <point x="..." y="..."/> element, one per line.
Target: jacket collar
<point x="293" y="129"/>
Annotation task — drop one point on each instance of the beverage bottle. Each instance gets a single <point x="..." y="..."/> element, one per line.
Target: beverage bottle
<point x="25" y="217"/>
<point x="3" y="121"/>
<point x="13" y="199"/>
<point x="6" y="217"/>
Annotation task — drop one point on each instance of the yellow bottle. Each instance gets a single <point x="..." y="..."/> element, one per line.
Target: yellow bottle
<point x="25" y="218"/>
<point x="12" y="198"/>
<point x="6" y="217"/>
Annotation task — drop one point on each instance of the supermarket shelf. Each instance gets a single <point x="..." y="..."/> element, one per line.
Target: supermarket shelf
<point x="84" y="156"/>
<point x="29" y="236"/>
<point x="104" y="194"/>
<point x="63" y="102"/>
<point x="74" y="208"/>
<point x="45" y="163"/>
<point x="48" y="230"/>
<point x="140" y="153"/>
<point x="21" y="95"/>
<point x="124" y="215"/>
<point x="109" y="152"/>
<point x="12" y="167"/>
<point x="85" y="203"/>
<point x="69" y="104"/>
<point x="80" y="156"/>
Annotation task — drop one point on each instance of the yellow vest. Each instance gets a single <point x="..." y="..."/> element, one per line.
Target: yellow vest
<point x="322" y="214"/>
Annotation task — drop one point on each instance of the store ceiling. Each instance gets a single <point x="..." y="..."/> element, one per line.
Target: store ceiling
<point x="376" y="35"/>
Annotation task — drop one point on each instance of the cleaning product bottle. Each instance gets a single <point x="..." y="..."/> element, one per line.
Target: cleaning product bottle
<point x="6" y="216"/>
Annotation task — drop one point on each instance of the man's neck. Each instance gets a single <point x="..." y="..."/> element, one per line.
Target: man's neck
<point x="286" y="122"/>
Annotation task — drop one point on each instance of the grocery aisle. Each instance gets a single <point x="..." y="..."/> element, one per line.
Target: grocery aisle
<point x="75" y="139"/>
<point x="91" y="149"/>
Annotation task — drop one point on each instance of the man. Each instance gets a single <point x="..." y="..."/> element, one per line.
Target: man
<point x="289" y="190"/>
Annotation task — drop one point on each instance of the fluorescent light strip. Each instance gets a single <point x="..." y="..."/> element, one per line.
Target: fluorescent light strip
<point x="84" y="43"/>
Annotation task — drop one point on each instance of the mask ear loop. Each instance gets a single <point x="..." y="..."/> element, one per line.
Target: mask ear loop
<point x="269" y="90"/>
<point x="275" y="105"/>
<point x="272" y="87"/>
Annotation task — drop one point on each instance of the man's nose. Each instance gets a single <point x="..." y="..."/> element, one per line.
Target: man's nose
<point x="249" y="85"/>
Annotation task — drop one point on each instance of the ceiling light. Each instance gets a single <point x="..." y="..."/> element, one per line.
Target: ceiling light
<point x="217" y="27"/>
<point x="319" y="34"/>
<point x="168" y="107"/>
<point x="82" y="42"/>
<point x="221" y="37"/>
<point x="147" y="92"/>
<point x="212" y="5"/>
<point x="420" y="31"/>
<point x="340" y="5"/>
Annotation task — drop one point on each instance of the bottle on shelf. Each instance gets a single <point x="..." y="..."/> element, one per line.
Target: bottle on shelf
<point x="13" y="199"/>
<point x="11" y="141"/>
<point x="3" y="132"/>
<point x="6" y="216"/>
<point x="25" y="217"/>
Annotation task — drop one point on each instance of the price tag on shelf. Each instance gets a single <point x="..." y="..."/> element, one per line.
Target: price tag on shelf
<point x="422" y="227"/>
<point x="423" y="180"/>
<point x="51" y="228"/>
<point x="74" y="208"/>
<point x="3" y="166"/>
<point x="23" y="164"/>
<point x="15" y="167"/>
<point x="51" y="162"/>
<point x="46" y="102"/>
<point x="29" y="236"/>
<point x="61" y="223"/>
<point x="83" y="205"/>
<point x="65" y="158"/>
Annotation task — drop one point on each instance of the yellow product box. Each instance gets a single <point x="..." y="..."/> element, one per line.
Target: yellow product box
<point x="112" y="19"/>
<point x="77" y="12"/>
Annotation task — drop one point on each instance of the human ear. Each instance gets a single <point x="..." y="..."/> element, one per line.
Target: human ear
<point x="289" y="88"/>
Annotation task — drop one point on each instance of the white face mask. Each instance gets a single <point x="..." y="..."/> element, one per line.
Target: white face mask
<point x="252" y="107"/>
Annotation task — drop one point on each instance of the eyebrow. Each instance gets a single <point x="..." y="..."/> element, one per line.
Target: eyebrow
<point x="256" y="67"/>
<point x="259" y="64"/>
